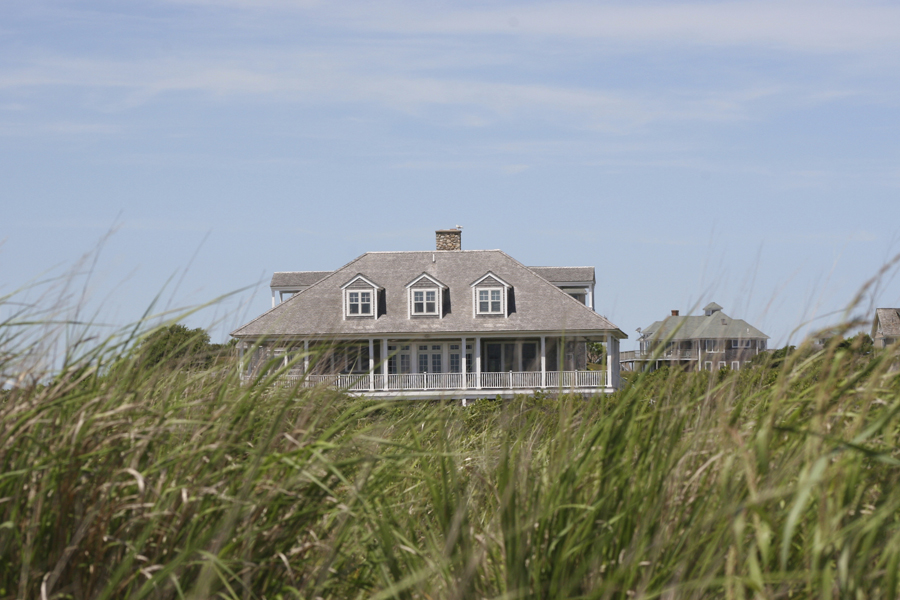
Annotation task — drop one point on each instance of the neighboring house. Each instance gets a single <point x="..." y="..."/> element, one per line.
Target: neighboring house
<point x="440" y="323"/>
<point x="819" y="340"/>
<point x="886" y="327"/>
<point x="710" y="342"/>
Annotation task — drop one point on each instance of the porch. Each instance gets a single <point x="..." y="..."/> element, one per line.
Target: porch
<point x="441" y="368"/>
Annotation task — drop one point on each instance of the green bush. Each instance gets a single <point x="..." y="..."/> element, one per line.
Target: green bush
<point x="177" y="346"/>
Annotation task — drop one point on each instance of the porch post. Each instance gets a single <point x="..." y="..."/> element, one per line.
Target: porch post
<point x="305" y="358"/>
<point x="543" y="361"/>
<point x="384" y="362"/>
<point x="371" y="364"/>
<point x="413" y="357"/>
<point x="608" y="360"/>
<point x="616" y="364"/>
<point x="241" y="360"/>
<point x="462" y="362"/>
<point x="478" y="363"/>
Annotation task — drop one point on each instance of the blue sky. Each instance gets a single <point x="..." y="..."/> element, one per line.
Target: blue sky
<point x="742" y="152"/>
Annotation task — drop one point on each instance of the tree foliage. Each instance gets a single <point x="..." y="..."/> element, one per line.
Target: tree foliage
<point x="176" y="345"/>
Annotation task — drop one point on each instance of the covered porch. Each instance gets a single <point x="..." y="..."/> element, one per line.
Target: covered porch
<point x="465" y="367"/>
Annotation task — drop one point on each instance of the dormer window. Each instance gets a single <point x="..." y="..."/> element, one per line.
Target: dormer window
<point x="360" y="298"/>
<point x="490" y="301"/>
<point x="359" y="303"/>
<point x="490" y="296"/>
<point x="427" y="297"/>
<point x="424" y="302"/>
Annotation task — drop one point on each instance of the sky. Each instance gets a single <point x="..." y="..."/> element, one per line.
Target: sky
<point x="163" y="154"/>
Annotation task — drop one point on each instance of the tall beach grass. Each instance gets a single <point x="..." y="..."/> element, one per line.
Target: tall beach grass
<point x="121" y="479"/>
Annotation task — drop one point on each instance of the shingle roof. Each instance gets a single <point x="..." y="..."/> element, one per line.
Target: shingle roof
<point x="539" y="305"/>
<point x="716" y="326"/>
<point x="297" y="278"/>
<point x="887" y="322"/>
<point x="565" y="274"/>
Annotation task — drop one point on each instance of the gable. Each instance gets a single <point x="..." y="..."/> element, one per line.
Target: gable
<point x="425" y="281"/>
<point x="360" y="281"/>
<point x="490" y="280"/>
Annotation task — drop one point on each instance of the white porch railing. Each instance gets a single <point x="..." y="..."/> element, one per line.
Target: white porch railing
<point x="528" y="380"/>
<point x="511" y="380"/>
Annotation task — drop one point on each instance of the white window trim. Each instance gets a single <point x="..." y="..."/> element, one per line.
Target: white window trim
<point x="741" y="343"/>
<point x="438" y="304"/>
<point x="500" y="289"/>
<point x="373" y="297"/>
<point x="707" y="343"/>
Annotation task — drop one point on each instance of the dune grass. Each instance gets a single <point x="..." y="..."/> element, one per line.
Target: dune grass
<point x="123" y="480"/>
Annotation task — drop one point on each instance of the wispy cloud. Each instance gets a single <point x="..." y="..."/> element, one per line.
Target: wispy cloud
<point x="799" y="25"/>
<point x="317" y="79"/>
<point x="55" y="128"/>
<point x="802" y="25"/>
<point x="447" y="64"/>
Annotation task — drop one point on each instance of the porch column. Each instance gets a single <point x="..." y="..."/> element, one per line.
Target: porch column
<point x="241" y="360"/>
<point x="413" y="357"/>
<point x="543" y="361"/>
<point x="609" y="358"/>
<point x="478" y="363"/>
<point x="617" y="365"/>
<point x="462" y="362"/>
<point x="273" y="298"/>
<point x="371" y="365"/>
<point x="305" y="357"/>
<point x="384" y="362"/>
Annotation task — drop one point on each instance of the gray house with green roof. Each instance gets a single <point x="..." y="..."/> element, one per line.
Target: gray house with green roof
<point x="709" y="342"/>
<point x="430" y="324"/>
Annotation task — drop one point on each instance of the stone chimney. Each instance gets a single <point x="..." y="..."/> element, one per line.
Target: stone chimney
<point x="449" y="239"/>
<point x="674" y="313"/>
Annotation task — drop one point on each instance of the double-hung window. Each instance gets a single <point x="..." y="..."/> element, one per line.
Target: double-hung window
<point x="424" y="302"/>
<point x="359" y="303"/>
<point x="490" y="301"/>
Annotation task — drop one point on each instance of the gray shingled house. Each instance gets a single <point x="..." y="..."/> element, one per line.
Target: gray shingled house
<point x="886" y="327"/>
<point x="440" y="323"/>
<point x="707" y="342"/>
